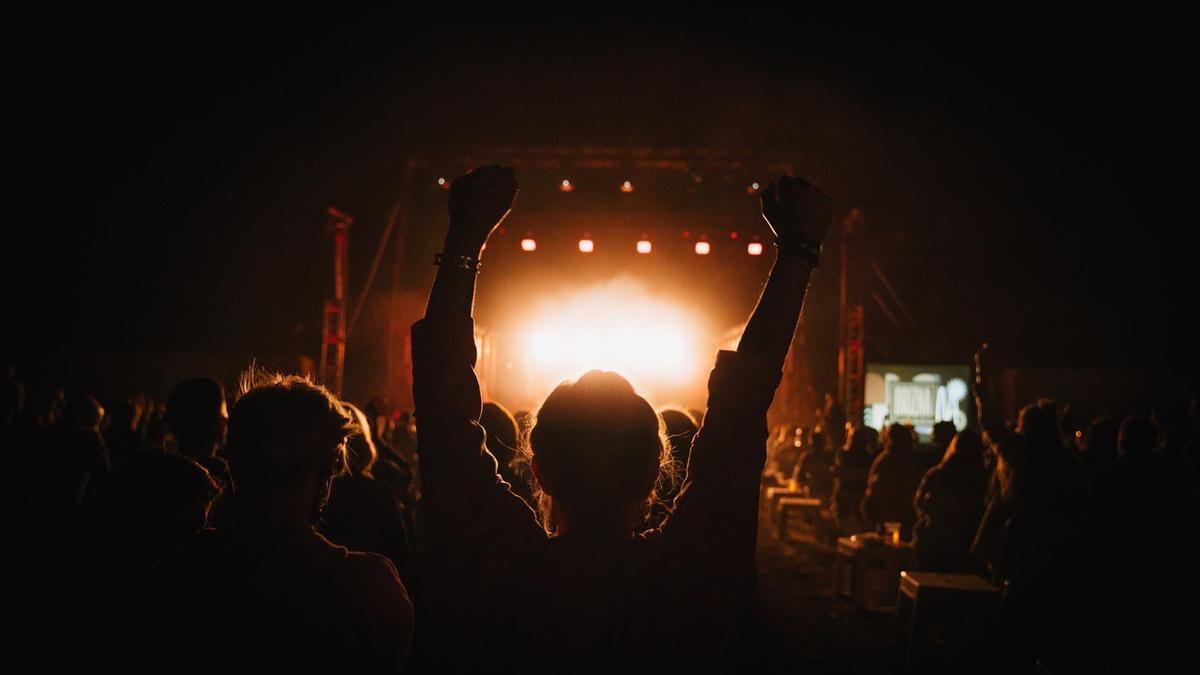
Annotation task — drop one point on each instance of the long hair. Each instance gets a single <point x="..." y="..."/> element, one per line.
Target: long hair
<point x="361" y="453"/>
<point x="601" y="448"/>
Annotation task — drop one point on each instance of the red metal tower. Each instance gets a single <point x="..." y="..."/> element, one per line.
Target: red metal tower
<point x="333" y="324"/>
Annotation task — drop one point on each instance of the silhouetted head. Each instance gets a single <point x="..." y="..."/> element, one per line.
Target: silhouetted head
<point x="83" y="412"/>
<point x="361" y="453"/>
<point x="501" y="428"/>
<point x="123" y="416"/>
<point x="287" y="440"/>
<point x="160" y="498"/>
<point x="943" y="434"/>
<point x="1137" y="437"/>
<point x="681" y="429"/>
<point x="197" y="414"/>
<point x="1100" y="441"/>
<point x="378" y="412"/>
<point x="900" y="438"/>
<point x="1038" y="423"/>
<point x="965" y="449"/>
<point x="862" y="439"/>
<point x="597" y="451"/>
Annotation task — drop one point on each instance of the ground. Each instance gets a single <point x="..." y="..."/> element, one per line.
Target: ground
<point x="807" y="628"/>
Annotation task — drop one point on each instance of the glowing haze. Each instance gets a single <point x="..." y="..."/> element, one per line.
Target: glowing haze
<point x="617" y="326"/>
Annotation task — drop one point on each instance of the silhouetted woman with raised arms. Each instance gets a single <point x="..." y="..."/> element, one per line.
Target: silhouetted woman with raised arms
<point x="581" y="590"/>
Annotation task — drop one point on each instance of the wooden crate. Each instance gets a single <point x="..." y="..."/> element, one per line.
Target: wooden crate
<point x="947" y="621"/>
<point x="867" y="570"/>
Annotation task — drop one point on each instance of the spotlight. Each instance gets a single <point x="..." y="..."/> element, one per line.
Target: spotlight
<point x="754" y="248"/>
<point x="627" y="186"/>
<point x="752" y="188"/>
<point x="529" y="243"/>
<point x="703" y="247"/>
<point x="566" y="185"/>
<point x="586" y="245"/>
<point x="643" y="245"/>
<point x="443" y="183"/>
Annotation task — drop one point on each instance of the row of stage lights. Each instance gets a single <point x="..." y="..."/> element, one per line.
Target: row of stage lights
<point x="644" y="245"/>
<point x="567" y="186"/>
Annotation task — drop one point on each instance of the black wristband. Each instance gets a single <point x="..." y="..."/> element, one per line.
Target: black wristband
<point x="802" y="250"/>
<point x="462" y="262"/>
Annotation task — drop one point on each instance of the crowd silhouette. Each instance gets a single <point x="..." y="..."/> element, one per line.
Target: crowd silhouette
<point x="284" y="529"/>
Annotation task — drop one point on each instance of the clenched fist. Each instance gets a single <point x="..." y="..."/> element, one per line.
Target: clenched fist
<point x="797" y="211"/>
<point x="479" y="200"/>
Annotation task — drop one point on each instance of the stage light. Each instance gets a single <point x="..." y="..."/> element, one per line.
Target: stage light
<point x="754" y="248"/>
<point x="566" y="185"/>
<point x="443" y="183"/>
<point x="627" y="186"/>
<point x="528" y="243"/>
<point x="643" y="245"/>
<point x="703" y="247"/>
<point x="752" y="188"/>
<point x="586" y="245"/>
<point x="733" y="235"/>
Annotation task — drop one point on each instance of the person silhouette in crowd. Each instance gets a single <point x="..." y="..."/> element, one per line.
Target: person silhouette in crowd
<point x="1031" y="534"/>
<point x="396" y="463"/>
<point x="583" y="589"/>
<point x="893" y="480"/>
<point x="833" y="423"/>
<point x="814" y="470"/>
<point x="364" y="514"/>
<point x="1098" y="448"/>
<point x="264" y="589"/>
<point x="197" y="417"/>
<point x="681" y="428"/>
<point x="79" y="457"/>
<point x="149" y="506"/>
<point x="939" y="441"/>
<point x="852" y="467"/>
<point x="124" y="441"/>
<point x="949" y="505"/>
<point x="502" y="441"/>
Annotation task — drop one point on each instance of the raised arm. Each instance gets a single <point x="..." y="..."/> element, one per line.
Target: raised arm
<point x="799" y="214"/>
<point x="479" y="201"/>
<point x="990" y="418"/>
<point x="715" y="520"/>
<point x="466" y="504"/>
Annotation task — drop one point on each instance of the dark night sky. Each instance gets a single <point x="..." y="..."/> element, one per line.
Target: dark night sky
<point x="1020" y="164"/>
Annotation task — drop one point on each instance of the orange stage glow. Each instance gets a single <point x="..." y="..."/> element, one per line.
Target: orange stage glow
<point x="616" y="326"/>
